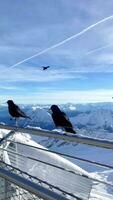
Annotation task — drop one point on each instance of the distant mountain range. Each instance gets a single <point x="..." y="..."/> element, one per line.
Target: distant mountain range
<point x="94" y="119"/>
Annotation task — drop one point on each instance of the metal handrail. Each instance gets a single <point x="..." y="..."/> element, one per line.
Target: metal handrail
<point x="11" y="133"/>
<point x="71" y="138"/>
<point x="4" y="140"/>
<point x="61" y="168"/>
<point x="44" y="162"/>
<point x="67" y="136"/>
<point x="65" y="155"/>
<point x="30" y="186"/>
<point x="12" y="168"/>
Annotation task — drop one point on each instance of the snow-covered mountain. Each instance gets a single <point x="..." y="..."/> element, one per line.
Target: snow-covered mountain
<point x="95" y="120"/>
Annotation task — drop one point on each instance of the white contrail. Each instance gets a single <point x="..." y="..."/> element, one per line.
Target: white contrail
<point x="99" y="49"/>
<point x="62" y="42"/>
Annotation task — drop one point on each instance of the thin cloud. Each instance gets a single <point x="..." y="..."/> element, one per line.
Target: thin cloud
<point x="59" y="97"/>
<point x="100" y="95"/>
<point x="99" y="49"/>
<point x="37" y="75"/>
<point x="64" y="41"/>
<point x="10" y="88"/>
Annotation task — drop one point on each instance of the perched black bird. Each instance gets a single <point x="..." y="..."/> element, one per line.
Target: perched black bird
<point x="60" y="119"/>
<point x="15" y="111"/>
<point x="44" y="68"/>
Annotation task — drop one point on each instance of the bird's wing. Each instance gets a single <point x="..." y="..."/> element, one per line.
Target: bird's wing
<point x="66" y="117"/>
<point x="21" y="112"/>
<point x="67" y="120"/>
<point x="68" y="126"/>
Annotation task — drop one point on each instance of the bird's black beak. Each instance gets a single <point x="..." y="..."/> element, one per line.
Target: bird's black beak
<point x="50" y="111"/>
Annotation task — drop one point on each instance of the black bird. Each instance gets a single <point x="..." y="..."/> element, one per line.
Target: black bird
<point x="45" y="68"/>
<point x="60" y="119"/>
<point x="15" y="111"/>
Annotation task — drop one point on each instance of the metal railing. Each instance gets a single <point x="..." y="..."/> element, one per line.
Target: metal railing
<point x="16" y="184"/>
<point x="66" y="137"/>
<point x="28" y="183"/>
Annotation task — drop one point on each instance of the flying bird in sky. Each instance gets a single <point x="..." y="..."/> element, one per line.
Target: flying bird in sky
<point x="45" y="68"/>
<point x="60" y="119"/>
<point x="15" y="111"/>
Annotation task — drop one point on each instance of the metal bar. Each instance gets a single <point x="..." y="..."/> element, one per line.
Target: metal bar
<point x="34" y="188"/>
<point x="10" y="167"/>
<point x="69" y="138"/>
<point x="2" y="140"/>
<point x="61" y="168"/>
<point x="43" y="162"/>
<point x="65" y="155"/>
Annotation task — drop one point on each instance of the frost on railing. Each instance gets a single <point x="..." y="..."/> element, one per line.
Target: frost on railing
<point x="46" y="170"/>
<point x="16" y="159"/>
<point x="9" y="190"/>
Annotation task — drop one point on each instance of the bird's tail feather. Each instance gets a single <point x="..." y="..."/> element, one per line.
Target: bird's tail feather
<point x="71" y="130"/>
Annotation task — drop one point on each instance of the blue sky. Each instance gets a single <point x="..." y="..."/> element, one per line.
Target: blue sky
<point x="81" y="68"/>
